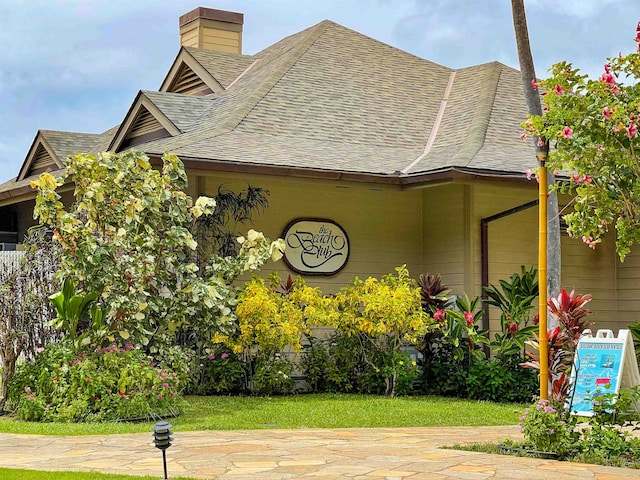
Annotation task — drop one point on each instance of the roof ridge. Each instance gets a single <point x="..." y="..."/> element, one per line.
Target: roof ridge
<point x="436" y="126"/>
<point x="482" y="114"/>
<point x="280" y="73"/>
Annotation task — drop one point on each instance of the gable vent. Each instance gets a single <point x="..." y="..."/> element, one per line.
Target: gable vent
<point x="144" y="129"/>
<point x="41" y="162"/>
<point x="188" y="82"/>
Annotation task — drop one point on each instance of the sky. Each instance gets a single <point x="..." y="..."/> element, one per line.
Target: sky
<point x="77" y="65"/>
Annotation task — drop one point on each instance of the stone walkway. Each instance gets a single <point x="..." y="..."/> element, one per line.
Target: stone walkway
<point x="379" y="453"/>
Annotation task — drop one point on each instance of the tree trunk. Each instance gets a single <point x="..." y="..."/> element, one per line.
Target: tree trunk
<point x="534" y="106"/>
<point x="8" y="368"/>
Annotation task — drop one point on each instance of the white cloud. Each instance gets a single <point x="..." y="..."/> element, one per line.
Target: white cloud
<point x="572" y="8"/>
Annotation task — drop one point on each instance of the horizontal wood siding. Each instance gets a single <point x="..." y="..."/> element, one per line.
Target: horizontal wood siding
<point x="383" y="225"/>
<point x="189" y="38"/>
<point x="593" y="271"/>
<point x="628" y="277"/>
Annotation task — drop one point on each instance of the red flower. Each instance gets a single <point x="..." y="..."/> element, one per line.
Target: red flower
<point x="512" y="328"/>
<point x="606" y="112"/>
<point x="468" y="317"/>
<point x="440" y="315"/>
<point x="96" y="399"/>
<point x="559" y="90"/>
<point x="534" y="85"/>
<point x="632" y="130"/>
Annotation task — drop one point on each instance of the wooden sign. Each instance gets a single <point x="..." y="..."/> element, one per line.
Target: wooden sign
<point x="315" y="246"/>
<point x="599" y="361"/>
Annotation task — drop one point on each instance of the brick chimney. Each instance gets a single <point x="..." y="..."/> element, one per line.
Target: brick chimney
<point x="212" y="29"/>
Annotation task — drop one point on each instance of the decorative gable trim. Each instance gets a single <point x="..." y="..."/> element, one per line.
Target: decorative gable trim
<point x="144" y="122"/>
<point x="189" y="77"/>
<point x="40" y="159"/>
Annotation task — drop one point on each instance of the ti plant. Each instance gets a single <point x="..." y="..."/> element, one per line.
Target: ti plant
<point x="433" y="293"/>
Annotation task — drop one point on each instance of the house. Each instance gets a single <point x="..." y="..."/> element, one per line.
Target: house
<point x="373" y="158"/>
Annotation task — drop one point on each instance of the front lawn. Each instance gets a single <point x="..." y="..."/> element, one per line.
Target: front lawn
<point x="301" y="411"/>
<point x="13" y="474"/>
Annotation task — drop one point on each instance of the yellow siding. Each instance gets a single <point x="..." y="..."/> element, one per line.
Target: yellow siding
<point x="189" y="38"/>
<point x="628" y="277"/>
<point x="383" y="225"/>
<point x="212" y="35"/>
<point x="444" y="234"/>
<point x="594" y="272"/>
<point x="437" y="230"/>
<point x="513" y="240"/>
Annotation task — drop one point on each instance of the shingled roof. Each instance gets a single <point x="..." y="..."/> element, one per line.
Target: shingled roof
<point x="329" y="100"/>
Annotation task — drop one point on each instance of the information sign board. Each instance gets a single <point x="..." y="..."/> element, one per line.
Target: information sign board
<point x="600" y="361"/>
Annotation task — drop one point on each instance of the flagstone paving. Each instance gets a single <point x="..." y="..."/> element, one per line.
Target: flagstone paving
<point x="371" y="454"/>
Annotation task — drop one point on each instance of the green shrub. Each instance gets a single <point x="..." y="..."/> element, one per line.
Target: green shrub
<point x="499" y="382"/>
<point x="109" y="383"/>
<point x="220" y="373"/>
<point x="273" y="375"/>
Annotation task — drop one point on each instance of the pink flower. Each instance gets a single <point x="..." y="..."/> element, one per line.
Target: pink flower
<point x="606" y="112"/>
<point x="523" y="135"/>
<point x="632" y="130"/>
<point x="528" y="173"/>
<point x="468" y="317"/>
<point x="559" y="90"/>
<point x="540" y="142"/>
<point x="534" y="85"/>
<point x="607" y="68"/>
<point x="586" y="179"/>
<point x="211" y="356"/>
<point x="224" y="356"/>
<point x="567" y="132"/>
<point x="608" y="78"/>
<point x="440" y="315"/>
<point x="589" y="241"/>
<point x="27" y="389"/>
<point x="159" y="395"/>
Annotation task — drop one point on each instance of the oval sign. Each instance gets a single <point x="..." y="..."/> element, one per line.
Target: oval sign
<point x="315" y="246"/>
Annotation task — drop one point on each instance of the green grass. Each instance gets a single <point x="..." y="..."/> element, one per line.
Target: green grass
<point x="300" y="411"/>
<point x="12" y="474"/>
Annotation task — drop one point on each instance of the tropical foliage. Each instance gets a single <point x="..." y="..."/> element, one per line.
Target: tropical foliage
<point x="127" y="239"/>
<point x="594" y="125"/>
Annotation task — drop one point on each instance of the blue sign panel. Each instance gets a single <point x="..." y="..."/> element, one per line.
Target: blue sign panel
<point x="598" y="363"/>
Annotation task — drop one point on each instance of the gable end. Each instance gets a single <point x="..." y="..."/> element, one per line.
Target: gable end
<point x="188" y="82"/>
<point x="144" y="128"/>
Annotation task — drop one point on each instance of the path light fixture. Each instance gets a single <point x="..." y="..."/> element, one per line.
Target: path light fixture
<point x="162" y="439"/>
